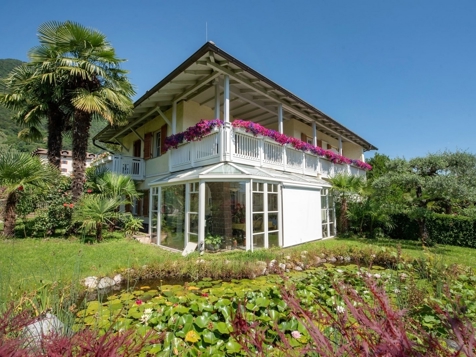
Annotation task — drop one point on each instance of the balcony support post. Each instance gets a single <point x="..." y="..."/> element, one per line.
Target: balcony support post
<point x="340" y="145"/>
<point x="280" y="118"/>
<point x="314" y="134"/>
<point x="226" y="141"/>
<point x="174" y="118"/>
<point x="226" y="99"/>
<point x="217" y="99"/>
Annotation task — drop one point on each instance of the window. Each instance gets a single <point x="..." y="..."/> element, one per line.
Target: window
<point x="327" y="213"/>
<point x="64" y="161"/>
<point x="64" y="170"/>
<point x="158" y="144"/>
<point x="192" y="212"/>
<point x="265" y="215"/>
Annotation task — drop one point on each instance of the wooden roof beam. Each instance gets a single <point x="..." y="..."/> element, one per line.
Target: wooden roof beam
<point x="197" y="86"/>
<point x="270" y="95"/>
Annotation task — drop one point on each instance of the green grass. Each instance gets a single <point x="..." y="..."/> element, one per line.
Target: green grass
<point x="449" y="254"/>
<point x="26" y="264"/>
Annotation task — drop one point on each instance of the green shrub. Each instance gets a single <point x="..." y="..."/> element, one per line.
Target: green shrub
<point x="442" y="228"/>
<point x="453" y="230"/>
<point x="404" y="228"/>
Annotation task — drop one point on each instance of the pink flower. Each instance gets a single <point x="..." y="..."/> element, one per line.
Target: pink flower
<point x="296" y="334"/>
<point x="139" y="302"/>
<point x="204" y="127"/>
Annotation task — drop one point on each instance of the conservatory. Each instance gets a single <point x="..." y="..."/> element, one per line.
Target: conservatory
<point x="235" y="206"/>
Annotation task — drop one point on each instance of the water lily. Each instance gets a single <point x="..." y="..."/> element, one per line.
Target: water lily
<point x="296" y="334"/>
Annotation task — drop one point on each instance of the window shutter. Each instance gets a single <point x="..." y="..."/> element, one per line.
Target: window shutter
<point x="304" y="137"/>
<point x="145" y="205"/>
<point x="148" y="146"/>
<point x="319" y="143"/>
<point x="163" y="136"/>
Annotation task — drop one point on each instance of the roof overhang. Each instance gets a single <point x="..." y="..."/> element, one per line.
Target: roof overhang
<point x="252" y="97"/>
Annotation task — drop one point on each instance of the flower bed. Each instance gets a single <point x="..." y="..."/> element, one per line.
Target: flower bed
<point x="205" y="127"/>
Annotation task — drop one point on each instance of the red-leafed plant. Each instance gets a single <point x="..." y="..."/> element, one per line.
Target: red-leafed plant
<point x="87" y="342"/>
<point x="357" y="327"/>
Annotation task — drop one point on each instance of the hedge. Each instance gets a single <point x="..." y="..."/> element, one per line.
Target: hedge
<point x="442" y="229"/>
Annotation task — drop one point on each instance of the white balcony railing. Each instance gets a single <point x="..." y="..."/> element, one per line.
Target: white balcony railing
<point x="233" y="145"/>
<point x="126" y="165"/>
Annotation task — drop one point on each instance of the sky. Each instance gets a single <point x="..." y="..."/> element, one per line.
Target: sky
<point x="400" y="74"/>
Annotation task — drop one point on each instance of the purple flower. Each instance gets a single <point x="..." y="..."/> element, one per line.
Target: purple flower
<point x="194" y="133"/>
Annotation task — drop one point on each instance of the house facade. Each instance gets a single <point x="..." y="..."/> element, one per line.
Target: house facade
<point x="226" y="157"/>
<point x="66" y="163"/>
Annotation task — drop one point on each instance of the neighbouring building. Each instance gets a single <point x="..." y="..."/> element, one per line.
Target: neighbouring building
<point x="66" y="163"/>
<point x="223" y="154"/>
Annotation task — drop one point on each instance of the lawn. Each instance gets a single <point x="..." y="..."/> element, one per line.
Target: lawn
<point x="26" y="263"/>
<point x="448" y="254"/>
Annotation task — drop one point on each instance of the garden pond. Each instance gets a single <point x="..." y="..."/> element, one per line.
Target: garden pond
<point x="195" y="318"/>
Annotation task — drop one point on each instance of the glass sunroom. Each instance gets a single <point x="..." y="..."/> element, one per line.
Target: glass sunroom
<point x="234" y="206"/>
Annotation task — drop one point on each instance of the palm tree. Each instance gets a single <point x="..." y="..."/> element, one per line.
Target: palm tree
<point x="93" y="211"/>
<point x="33" y="101"/>
<point x="21" y="172"/>
<point x="345" y="186"/>
<point x="84" y="63"/>
<point x="73" y="77"/>
<point x="110" y="184"/>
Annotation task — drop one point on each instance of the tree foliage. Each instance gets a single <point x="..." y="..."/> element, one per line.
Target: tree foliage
<point x="441" y="183"/>
<point x="345" y="188"/>
<point x="21" y="173"/>
<point x="73" y="77"/>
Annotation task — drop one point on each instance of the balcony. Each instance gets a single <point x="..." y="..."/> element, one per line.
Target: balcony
<point x="126" y="165"/>
<point x="235" y="145"/>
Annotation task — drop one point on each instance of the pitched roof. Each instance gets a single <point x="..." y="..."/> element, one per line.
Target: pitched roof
<point x="258" y="96"/>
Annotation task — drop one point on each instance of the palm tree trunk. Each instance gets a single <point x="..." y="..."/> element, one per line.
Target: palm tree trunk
<point x="9" y="216"/>
<point x="98" y="232"/>
<point x="81" y="125"/>
<point x="55" y="137"/>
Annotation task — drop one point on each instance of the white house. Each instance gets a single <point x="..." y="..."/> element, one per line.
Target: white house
<point x="66" y="163"/>
<point x="250" y="174"/>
